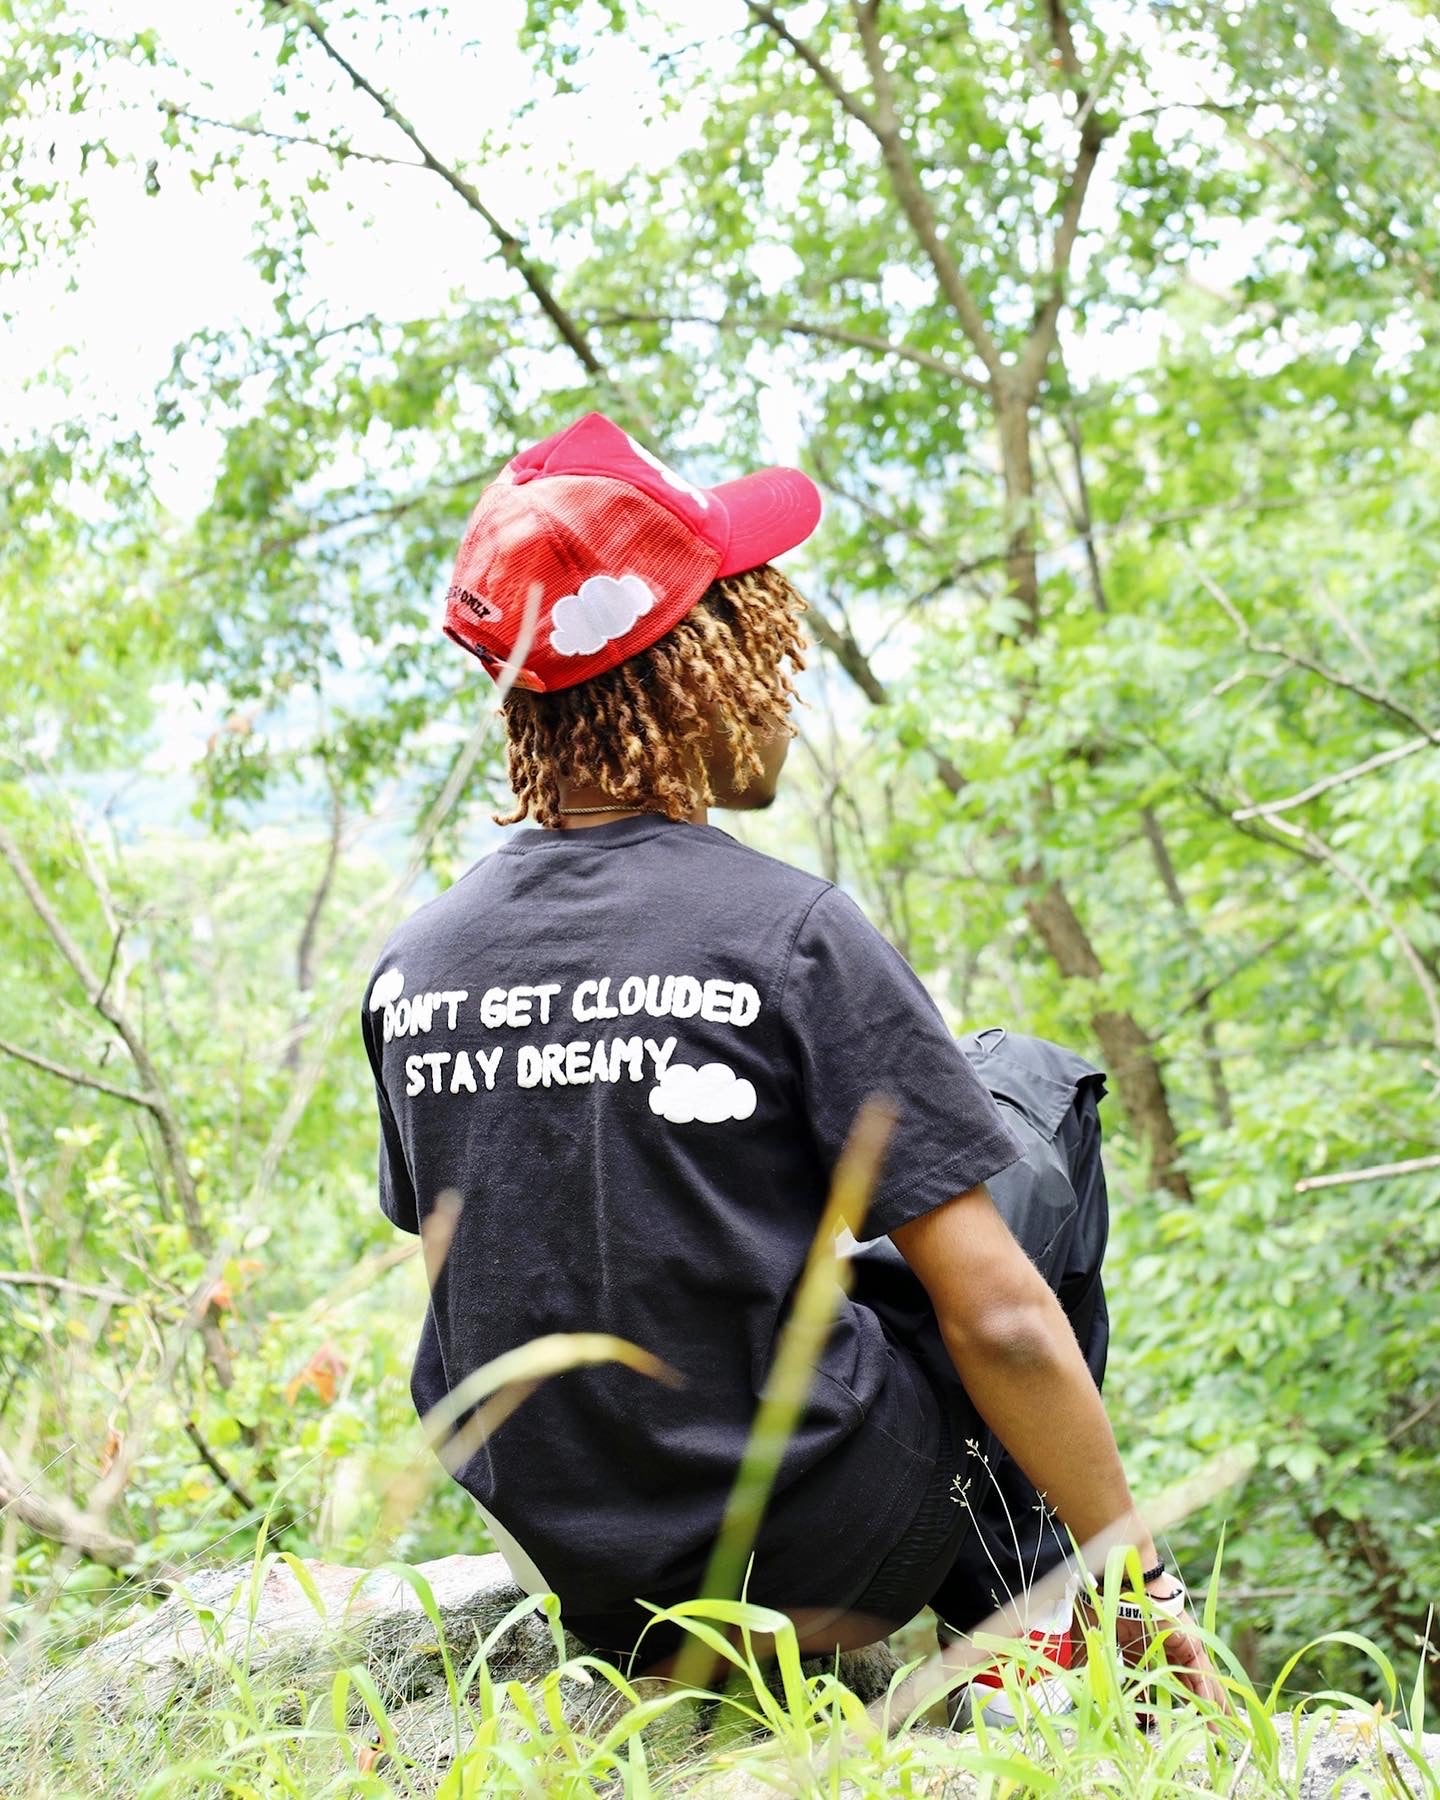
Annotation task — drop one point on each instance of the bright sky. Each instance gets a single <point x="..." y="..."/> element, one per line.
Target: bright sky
<point x="155" y="268"/>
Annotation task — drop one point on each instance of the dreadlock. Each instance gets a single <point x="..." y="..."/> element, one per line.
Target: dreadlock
<point x="634" y="731"/>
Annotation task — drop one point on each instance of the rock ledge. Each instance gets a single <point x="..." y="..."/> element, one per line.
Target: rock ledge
<point x="288" y="1630"/>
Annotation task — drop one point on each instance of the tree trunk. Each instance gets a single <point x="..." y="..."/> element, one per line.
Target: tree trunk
<point x="1012" y="421"/>
<point x="1129" y="1057"/>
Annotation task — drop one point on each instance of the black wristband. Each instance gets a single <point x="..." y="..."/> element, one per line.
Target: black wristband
<point x="1146" y="1577"/>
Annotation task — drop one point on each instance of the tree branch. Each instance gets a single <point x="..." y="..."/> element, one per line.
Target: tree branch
<point x="20" y="1195"/>
<point x="1128" y="1049"/>
<point x="1207" y="988"/>
<point x="77" y="1077"/>
<point x="153" y="1094"/>
<point x="218" y="1469"/>
<point x="55" y="1518"/>
<point x="835" y="334"/>
<point x="1064" y="42"/>
<point x="1263" y="647"/>
<point x="62" y="1284"/>
<point x="883" y="125"/>
<point x="388" y="510"/>
<point x="305" y="951"/>
<point x="1093" y="132"/>
<point x="48" y="917"/>
<point x="1323" y="853"/>
<point x="511" y="248"/>
<point x="851" y="658"/>
<point x="1303" y="843"/>
<point x="109" y="1008"/>
<point x="343" y="151"/>
<point x="1380" y="1172"/>
<point x="1030" y="369"/>
<point x="1101" y="530"/>
<point x="914" y="201"/>
<point x="877" y="514"/>
<point x="1154" y="833"/>
<point x="1267" y="808"/>
<point x="841" y="644"/>
<point x="17" y="1190"/>
<point x="304" y="969"/>
<point x="1414" y="1418"/>
<point x="1081" y="520"/>
<point x="827" y="77"/>
<point x="1272" y="145"/>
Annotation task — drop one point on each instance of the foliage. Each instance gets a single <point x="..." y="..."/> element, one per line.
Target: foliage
<point x="1111" y="334"/>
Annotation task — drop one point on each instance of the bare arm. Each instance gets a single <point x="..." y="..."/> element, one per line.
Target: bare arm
<point x="1017" y="1357"/>
<point x="1013" y="1349"/>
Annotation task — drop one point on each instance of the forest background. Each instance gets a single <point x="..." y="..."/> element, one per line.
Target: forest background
<point x="1109" y="331"/>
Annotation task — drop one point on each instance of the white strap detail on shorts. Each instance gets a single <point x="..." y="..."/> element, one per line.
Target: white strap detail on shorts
<point x="526" y="1575"/>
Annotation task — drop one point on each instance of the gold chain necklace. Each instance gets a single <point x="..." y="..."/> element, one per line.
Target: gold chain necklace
<point x="574" y="811"/>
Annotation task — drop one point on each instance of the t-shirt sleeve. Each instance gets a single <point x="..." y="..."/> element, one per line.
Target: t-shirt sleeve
<point x="861" y="1023"/>
<point x="397" y="1193"/>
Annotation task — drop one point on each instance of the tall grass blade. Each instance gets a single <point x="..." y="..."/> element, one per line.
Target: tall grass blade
<point x="822" y="1284"/>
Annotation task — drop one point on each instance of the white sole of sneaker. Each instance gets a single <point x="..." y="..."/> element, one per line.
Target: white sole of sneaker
<point x="997" y="1708"/>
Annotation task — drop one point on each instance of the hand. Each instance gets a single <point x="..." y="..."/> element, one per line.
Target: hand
<point x="1184" y="1650"/>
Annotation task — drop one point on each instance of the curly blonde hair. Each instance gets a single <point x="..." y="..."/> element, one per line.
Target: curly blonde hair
<point x="635" y="731"/>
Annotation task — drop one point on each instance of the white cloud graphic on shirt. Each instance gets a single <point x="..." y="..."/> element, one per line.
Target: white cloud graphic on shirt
<point x="710" y="1094"/>
<point x="602" y="609"/>
<point x="678" y="482"/>
<point x="388" y="987"/>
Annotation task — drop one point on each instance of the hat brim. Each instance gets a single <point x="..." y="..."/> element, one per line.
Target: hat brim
<point x="770" y="512"/>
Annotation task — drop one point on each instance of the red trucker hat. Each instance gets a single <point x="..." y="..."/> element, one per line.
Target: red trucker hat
<point x="608" y="548"/>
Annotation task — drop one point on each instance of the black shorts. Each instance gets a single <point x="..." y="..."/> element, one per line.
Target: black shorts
<point x="981" y="1533"/>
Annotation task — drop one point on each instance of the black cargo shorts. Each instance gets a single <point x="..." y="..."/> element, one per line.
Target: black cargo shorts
<point x="981" y="1533"/>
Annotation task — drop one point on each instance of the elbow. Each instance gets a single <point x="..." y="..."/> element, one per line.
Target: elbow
<point x="1019" y="1337"/>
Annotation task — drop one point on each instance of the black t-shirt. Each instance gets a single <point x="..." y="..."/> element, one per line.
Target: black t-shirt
<point x="635" y="1051"/>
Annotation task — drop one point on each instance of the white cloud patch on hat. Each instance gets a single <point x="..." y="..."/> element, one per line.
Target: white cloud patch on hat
<point x="678" y="482"/>
<point x="710" y="1094"/>
<point x="603" y="609"/>
<point x="388" y="987"/>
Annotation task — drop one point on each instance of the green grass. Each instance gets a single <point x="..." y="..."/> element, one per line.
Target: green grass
<point x="341" y="1725"/>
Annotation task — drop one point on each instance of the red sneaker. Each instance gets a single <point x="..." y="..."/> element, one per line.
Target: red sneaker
<point x="1035" y="1678"/>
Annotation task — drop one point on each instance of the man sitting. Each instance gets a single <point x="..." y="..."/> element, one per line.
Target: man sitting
<point x="634" y="1049"/>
